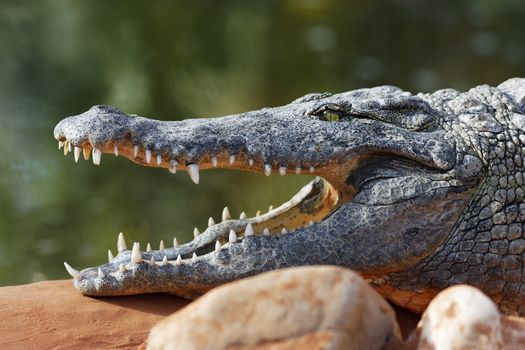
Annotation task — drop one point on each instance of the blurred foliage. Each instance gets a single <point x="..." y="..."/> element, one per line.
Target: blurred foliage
<point x="182" y="59"/>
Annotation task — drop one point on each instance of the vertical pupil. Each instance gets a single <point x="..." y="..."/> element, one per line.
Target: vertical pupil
<point x="331" y="116"/>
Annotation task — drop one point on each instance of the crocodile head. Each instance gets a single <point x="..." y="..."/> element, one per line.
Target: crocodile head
<point x="394" y="173"/>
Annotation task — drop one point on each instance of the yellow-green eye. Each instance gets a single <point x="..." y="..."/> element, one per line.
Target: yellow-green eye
<point x="331" y="115"/>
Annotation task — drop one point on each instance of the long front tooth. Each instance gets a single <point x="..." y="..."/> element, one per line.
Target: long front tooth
<point x="179" y="260"/>
<point x="121" y="243"/>
<point x="175" y="243"/>
<point x="194" y="257"/>
<point x="136" y="255"/>
<point x="66" y="147"/>
<point x="115" y="150"/>
<point x="87" y="153"/>
<point x="135" y="151"/>
<point x="110" y="255"/>
<point x="164" y="260"/>
<point x="97" y="156"/>
<point x="148" y="156"/>
<point x="159" y="159"/>
<point x="312" y="169"/>
<point x="226" y="214"/>
<point x="248" y="231"/>
<point x="72" y="272"/>
<point x="232" y="238"/>
<point x="284" y="231"/>
<point x="60" y="144"/>
<point x="266" y="231"/>
<point x="214" y="161"/>
<point x="211" y="222"/>
<point x="77" y="153"/>
<point x="231" y="160"/>
<point x="242" y="216"/>
<point x="152" y="261"/>
<point x="250" y="162"/>
<point x="196" y="232"/>
<point x="173" y="166"/>
<point x="148" y="247"/>
<point x="270" y="208"/>
<point x="193" y="171"/>
<point x="161" y="245"/>
<point x="100" y="273"/>
<point x="258" y="213"/>
<point x="217" y="246"/>
<point x="282" y="170"/>
<point x="267" y="169"/>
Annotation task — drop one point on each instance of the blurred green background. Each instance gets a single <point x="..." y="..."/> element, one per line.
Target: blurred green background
<point x="183" y="59"/>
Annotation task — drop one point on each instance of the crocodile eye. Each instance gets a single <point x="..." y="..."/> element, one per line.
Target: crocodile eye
<point x="331" y="115"/>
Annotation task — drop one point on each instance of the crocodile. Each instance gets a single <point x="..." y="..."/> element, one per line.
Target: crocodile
<point x="416" y="192"/>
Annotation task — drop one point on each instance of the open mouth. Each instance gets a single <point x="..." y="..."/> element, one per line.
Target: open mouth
<point x="313" y="203"/>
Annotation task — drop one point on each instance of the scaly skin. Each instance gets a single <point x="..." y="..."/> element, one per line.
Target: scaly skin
<point x="416" y="192"/>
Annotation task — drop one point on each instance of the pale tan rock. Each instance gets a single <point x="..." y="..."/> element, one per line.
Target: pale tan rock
<point x="301" y="308"/>
<point x="461" y="318"/>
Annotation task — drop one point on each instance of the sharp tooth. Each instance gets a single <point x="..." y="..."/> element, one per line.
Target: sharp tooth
<point x="148" y="156"/>
<point x="66" y="147"/>
<point x="121" y="243"/>
<point x="159" y="159"/>
<point x="77" y="153"/>
<point x="161" y="245"/>
<point x="248" y="231"/>
<point x="165" y="260"/>
<point x="196" y="232"/>
<point x="69" y="146"/>
<point x="258" y="213"/>
<point x="211" y="222"/>
<point x="267" y="169"/>
<point x="193" y="171"/>
<point x="122" y="268"/>
<point x="270" y="208"/>
<point x="135" y="151"/>
<point x="298" y="170"/>
<point x="148" y="247"/>
<point x="312" y="169"/>
<point x="100" y="273"/>
<point x="214" y="161"/>
<point x="194" y="258"/>
<point x="284" y="231"/>
<point x="115" y="149"/>
<point x="242" y="216"/>
<point x="266" y="231"/>
<point x="282" y="170"/>
<point x="232" y="238"/>
<point x="250" y="162"/>
<point x="60" y="144"/>
<point x="179" y="260"/>
<point x="110" y="255"/>
<point x="175" y="243"/>
<point x="97" y="155"/>
<point x="87" y="153"/>
<point x="217" y="246"/>
<point x="226" y="214"/>
<point x="152" y="261"/>
<point x="231" y="160"/>
<point x="72" y="272"/>
<point x="136" y="255"/>
<point x="173" y="166"/>
<point x="311" y="223"/>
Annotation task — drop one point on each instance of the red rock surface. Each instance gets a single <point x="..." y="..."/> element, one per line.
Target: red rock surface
<point x="53" y="314"/>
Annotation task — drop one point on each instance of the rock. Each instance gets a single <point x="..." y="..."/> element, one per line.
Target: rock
<point x="53" y="314"/>
<point x="463" y="318"/>
<point x="300" y="308"/>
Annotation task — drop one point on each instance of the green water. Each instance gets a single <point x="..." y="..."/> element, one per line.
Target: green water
<point x="183" y="59"/>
